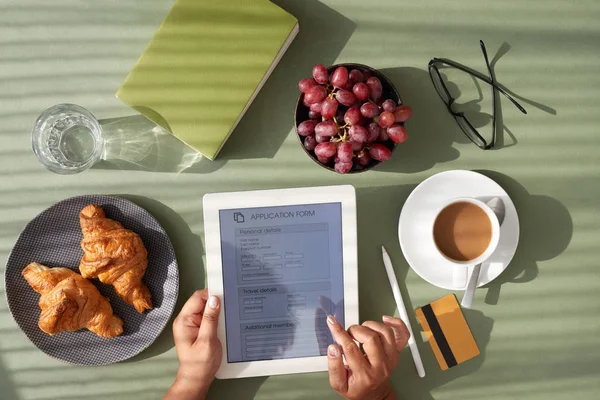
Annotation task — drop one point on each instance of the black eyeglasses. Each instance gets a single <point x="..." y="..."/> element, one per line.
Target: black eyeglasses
<point x="463" y="122"/>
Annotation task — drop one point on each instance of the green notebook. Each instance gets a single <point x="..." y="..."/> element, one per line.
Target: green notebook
<point x="205" y="65"/>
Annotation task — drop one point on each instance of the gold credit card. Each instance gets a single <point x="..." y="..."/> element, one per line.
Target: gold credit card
<point x="447" y="332"/>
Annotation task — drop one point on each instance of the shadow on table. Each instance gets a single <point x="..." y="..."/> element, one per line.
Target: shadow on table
<point x="431" y="129"/>
<point x="408" y="384"/>
<point x="323" y="34"/>
<point x="481" y="119"/>
<point x="8" y="387"/>
<point x="546" y="229"/>
<point x="189" y="251"/>
<point x="239" y="389"/>
<point x="136" y="143"/>
<point x="378" y="213"/>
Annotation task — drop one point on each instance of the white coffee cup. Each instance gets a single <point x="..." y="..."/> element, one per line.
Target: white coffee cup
<point x="495" y="231"/>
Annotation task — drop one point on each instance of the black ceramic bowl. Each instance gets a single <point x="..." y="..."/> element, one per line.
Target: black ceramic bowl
<point x="389" y="92"/>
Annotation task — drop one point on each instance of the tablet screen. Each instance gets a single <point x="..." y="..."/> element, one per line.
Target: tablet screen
<point x="282" y="276"/>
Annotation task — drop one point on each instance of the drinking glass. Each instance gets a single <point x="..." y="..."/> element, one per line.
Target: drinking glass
<point x="67" y="139"/>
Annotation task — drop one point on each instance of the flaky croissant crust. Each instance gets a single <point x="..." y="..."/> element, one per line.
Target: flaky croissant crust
<point x="114" y="255"/>
<point x="70" y="302"/>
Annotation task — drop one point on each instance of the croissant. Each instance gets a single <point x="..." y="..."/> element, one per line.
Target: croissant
<point x="114" y="255"/>
<point x="70" y="302"/>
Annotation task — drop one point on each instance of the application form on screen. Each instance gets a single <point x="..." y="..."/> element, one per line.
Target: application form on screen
<point x="282" y="276"/>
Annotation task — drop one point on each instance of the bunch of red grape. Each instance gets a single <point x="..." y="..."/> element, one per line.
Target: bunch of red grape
<point x="350" y="123"/>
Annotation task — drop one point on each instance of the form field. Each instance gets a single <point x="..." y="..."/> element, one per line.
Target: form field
<point x="274" y="257"/>
<point x="286" y="335"/>
<point x="277" y="349"/>
<point x="261" y="278"/>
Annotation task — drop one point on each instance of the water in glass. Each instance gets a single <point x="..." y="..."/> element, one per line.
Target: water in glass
<point x="67" y="139"/>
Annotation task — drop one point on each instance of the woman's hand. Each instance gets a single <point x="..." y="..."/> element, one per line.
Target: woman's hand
<point x="198" y="347"/>
<point x="366" y="376"/>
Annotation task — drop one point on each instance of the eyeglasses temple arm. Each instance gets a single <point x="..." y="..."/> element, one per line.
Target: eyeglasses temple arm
<point x="491" y="76"/>
<point x="480" y="77"/>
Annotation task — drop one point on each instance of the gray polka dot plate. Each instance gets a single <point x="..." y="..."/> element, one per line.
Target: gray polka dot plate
<point x="52" y="238"/>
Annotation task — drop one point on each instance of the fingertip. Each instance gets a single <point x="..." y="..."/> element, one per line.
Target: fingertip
<point x="213" y="302"/>
<point x="333" y="324"/>
<point x="391" y="320"/>
<point x="333" y="351"/>
<point x="331" y="320"/>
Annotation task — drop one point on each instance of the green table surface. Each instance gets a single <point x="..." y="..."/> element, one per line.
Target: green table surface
<point x="537" y="325"/>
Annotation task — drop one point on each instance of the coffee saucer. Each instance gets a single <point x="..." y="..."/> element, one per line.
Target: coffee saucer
<point x="418" y="215"/>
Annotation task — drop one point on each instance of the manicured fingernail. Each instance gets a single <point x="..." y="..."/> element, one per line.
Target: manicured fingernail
<point x="213" y="302"/>
<point x="387" y="318"/>
<point x="333" y="351"/>
<point x="331" y="320"/>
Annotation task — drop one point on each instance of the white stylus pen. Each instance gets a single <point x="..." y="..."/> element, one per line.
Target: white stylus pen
<point x="403" y="314"/>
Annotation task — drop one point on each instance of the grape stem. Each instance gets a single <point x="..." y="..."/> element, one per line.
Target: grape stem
<point x="330" y="90"/>
<point x="342" y="135"/>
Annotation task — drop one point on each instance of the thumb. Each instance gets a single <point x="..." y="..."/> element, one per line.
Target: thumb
<point x="210" y="319"/>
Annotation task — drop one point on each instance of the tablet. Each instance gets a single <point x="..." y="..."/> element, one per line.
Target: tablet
<point x="281" y="261"/>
